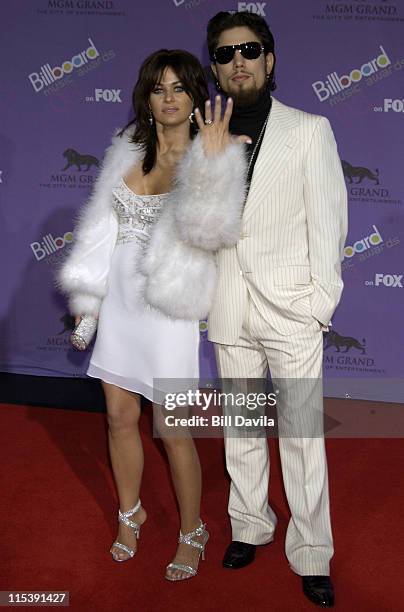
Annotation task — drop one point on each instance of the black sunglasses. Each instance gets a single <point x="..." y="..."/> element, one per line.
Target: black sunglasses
<point x="249" y="50"/>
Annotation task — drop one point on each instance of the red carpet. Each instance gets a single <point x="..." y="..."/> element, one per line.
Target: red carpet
<point x="58" y="520"/>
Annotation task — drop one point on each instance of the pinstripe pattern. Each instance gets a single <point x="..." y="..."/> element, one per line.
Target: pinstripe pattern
<point x="274" y="287"/>
<point x="294" y="229"/>
<point x="309" y="540"/>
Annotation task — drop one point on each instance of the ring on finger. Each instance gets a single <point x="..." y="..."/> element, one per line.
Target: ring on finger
<point x="208" y="122"/>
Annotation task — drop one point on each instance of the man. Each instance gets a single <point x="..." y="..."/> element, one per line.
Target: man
<point x="277" y="290"/>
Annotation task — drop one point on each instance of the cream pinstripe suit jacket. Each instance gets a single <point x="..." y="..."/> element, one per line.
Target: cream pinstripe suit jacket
<point x="294" y="227"/>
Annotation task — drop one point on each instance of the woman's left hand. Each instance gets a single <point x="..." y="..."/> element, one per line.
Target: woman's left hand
<point x="215" y="131"/>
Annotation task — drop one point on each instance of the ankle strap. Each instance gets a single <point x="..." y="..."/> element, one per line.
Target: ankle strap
<point x="132" y="511"/>
<point x="186" y="538"/>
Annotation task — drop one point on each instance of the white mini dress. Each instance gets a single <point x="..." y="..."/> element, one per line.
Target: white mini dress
<point x="136" y="347"/>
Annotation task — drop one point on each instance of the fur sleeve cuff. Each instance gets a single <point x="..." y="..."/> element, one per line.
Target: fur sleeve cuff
<point x="84" y="303"/>
<point x="209" y="196"/>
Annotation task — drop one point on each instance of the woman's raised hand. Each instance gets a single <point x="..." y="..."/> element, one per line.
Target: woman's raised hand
<point x="214" y="130"/>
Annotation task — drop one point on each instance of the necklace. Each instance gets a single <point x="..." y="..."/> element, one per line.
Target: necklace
<point x="257" y="144"/>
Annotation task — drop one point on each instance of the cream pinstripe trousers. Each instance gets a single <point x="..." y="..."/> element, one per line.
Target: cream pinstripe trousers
<point x="295" y="363"/>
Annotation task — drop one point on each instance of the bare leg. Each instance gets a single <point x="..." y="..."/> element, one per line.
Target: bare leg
<point x="186" y="475"/>
<point x="126" y="450"/>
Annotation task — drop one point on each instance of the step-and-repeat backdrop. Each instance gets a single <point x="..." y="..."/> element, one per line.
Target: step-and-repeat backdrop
<point x="68" y="68"/>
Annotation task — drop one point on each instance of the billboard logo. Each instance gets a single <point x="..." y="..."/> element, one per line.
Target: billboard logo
<point x="252" y="7"/>
<point x="48" y="75"/>
<point x="50" y="245"/>
<point x="334" y="84"/>
<point x="364" y="243"/>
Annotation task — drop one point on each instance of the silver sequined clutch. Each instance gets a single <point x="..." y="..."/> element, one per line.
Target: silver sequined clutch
<point x="84" y="332"/>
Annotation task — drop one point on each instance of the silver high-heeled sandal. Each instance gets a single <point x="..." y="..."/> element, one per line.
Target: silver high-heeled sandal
<point x="124" y="517"/>
<point x="187" y="539"/>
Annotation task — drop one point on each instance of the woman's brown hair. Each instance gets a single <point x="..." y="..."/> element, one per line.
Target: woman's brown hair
<point x="192" y="76"/>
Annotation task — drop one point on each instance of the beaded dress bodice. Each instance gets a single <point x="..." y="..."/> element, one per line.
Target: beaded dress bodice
<point x="136" y="213"/>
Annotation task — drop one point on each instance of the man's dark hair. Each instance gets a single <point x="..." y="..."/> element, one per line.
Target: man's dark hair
<point x="192" y="75"/>
<point x="225" y="21"/>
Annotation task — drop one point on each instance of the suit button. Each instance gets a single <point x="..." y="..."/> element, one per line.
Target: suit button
<point x="241" y="272"/>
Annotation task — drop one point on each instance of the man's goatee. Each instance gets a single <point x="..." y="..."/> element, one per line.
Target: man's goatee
<point x="247" y="98"/>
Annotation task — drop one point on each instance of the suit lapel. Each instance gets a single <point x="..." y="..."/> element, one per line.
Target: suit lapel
<point x="277" y="147"/>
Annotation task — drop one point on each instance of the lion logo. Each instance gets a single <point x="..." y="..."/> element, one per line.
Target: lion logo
<point x="73" y="158"/>
<point x="352" y="172"/>
<point x="68" y="323"/>
<point x="334" y="339"/>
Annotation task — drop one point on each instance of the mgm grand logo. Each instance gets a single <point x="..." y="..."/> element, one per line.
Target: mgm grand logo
<point x="80" y="7"/>
<point x="374" y="10"/>
<point x="76" y="160"/>
<point x="74" y="172"/>
<point x="364" y="184"/>
<point x="68" y="323"/>
<point x="347" y="353"/>
<point x="333" y="339"/>
<point x="60" y="341"/>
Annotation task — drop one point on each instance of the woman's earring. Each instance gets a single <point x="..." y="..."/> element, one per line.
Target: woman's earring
<point x="218" y="85"/>
<point x="191" y="117"/>
<point x="150" y="117"/>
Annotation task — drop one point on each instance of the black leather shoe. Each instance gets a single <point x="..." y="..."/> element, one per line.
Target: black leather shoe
<point x="319" y="590"/>
<point x="238" y="554"/>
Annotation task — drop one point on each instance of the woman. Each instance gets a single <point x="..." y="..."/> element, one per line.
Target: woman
<point x="146" y="237"/>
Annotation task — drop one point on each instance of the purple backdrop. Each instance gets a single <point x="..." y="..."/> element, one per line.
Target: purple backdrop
<point x="68" y="68"/>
